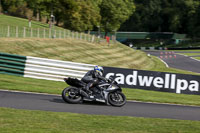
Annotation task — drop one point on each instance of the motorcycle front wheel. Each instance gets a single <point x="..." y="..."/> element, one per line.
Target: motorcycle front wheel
<point x="71" y="95"/>
<point x="117" y="99"/>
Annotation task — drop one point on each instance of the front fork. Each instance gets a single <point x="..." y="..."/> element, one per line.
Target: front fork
<point x="106" y="96"/>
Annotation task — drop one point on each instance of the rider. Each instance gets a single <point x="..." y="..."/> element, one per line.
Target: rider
<point x="92" y="78"/>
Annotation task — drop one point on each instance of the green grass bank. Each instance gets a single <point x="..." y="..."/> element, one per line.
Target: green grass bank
<point x="23" y="121"/>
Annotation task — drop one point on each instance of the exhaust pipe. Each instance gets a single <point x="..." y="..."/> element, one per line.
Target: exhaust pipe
<point x="83" y="93"/>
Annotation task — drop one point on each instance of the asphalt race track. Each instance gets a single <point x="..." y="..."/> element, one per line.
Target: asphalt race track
<point x="176" y="60"/>
<point x="19" y="100"/>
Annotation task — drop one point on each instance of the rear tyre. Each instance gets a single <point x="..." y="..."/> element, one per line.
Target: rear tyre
<point x="117" y="99"/>
<point x="71" y="95"/>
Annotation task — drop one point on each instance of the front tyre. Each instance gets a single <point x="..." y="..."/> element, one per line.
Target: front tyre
<point x="71" y="95"/>
<point x="117" y="99"/>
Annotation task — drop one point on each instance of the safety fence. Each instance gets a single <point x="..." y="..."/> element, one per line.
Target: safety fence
<point x="59" y="33"/>
<point x="41" y="68"/>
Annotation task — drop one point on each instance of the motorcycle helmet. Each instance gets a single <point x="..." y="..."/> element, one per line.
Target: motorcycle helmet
<point x="99" y="70"/>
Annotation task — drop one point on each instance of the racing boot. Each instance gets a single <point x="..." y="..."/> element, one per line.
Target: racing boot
<point x="87" y="89"/>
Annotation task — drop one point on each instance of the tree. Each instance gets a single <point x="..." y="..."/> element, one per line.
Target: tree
<point x="0" y="7"/>
<point x="114" y="13"/>
<point x="146" y="17"/>
<point x="192" y="21"/>
<point x="180" y="16"/>
<point x="16" y="8"/>
<point x="84" y="17"/>
<point x="69" y="12"/>
<point x="38" y="7"/>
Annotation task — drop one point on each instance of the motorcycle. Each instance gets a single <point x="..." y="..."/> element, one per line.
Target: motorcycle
<point x="108" y="92"/>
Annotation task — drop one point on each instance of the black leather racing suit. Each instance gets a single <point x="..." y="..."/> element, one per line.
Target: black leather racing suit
<point x="91" y="78"/>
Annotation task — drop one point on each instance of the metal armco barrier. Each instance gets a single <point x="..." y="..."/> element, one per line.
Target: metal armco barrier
<point x="151" y="80"/>
<point x="54" y="69"/>
<point x="41" y="68"/>
<point x="12" y="64"/>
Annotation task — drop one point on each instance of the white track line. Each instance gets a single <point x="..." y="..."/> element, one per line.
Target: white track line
<point x="163" y="62"/>
<point x="189" y="57"/>
<point x="194" y="59"/>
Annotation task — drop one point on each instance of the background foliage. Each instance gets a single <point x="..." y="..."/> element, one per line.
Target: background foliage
<point x="182" y="16"/>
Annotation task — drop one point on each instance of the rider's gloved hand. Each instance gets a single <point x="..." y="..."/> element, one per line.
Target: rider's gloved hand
<point x="109" y="80"/>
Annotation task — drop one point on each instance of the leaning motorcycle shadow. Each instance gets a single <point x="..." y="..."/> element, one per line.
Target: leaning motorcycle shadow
<point x="93" y="103"/>
<point x="57" y="100"/>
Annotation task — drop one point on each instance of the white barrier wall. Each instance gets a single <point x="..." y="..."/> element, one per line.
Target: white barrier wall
<point x="49" y="69"/>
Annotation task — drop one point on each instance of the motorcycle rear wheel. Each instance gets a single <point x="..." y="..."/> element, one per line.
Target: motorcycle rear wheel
<point x="71" y="95"/>
<point x="117" y="99"/>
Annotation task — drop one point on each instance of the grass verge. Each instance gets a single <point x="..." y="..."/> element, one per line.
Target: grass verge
<point x="190" y="54"/>
<point x="13" y="120"/>
<point x="116" y="55"/>
<point x="6" y="20"/>
<point x="198" y="58"/>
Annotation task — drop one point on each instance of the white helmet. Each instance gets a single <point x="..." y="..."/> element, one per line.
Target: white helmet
<point x="99" y="70"/>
